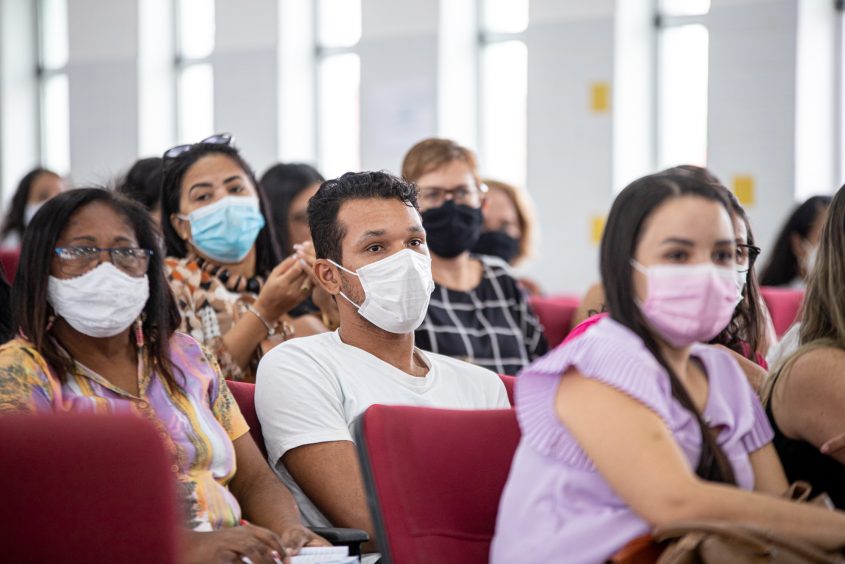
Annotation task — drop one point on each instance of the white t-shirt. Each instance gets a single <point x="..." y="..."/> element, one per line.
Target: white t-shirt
<point x="311" y="389"/>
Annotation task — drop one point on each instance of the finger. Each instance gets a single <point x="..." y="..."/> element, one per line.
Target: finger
<point x="284" y="266"/>
<point x="834" y="444"/>
<point x="294" y="539"/>
<point x="268" y="538"/>
<point x="316" y="540"/>
<point x="294" y="271"/>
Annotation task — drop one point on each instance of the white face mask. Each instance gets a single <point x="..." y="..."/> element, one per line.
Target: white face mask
<point x="29" y="212"/>
<point x="100" y="303"/>
<point x="741" y="277"/>
<point x="397" y="290"/>
<point x="810" y="257"/>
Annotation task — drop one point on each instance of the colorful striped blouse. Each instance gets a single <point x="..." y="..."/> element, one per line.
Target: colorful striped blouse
<point x="198" y="422"/>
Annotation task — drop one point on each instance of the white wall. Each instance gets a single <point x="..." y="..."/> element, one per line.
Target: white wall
<point x="103" y="79"/>
<point x="245" y="86"/>
<point x="398" y="51"/>
<point x="752" y="103"/>
<point x="570" y="46"/>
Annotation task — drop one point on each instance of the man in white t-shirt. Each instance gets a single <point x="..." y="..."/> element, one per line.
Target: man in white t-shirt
<point x="372" y="257"/>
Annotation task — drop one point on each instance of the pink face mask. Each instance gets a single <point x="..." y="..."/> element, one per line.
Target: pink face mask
<point x="688" y="304"/>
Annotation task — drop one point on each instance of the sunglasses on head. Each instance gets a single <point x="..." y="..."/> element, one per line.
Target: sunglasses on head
<point x="216" y="139"/>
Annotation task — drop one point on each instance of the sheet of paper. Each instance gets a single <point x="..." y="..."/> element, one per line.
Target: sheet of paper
<point x="324" y="555"/>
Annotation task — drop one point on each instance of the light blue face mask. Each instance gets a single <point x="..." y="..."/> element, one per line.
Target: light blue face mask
<point x="226" y="230"/>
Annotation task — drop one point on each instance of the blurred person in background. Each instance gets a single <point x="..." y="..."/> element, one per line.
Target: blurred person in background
<point x="34" y="190"/>
<point x="477" y="312"/>
<point x="794" y="253"/>
<point x="509" y="228"/>
<point x="142" y="183"/>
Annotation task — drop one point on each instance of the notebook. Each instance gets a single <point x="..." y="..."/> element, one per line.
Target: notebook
<point x="324" y="555"/>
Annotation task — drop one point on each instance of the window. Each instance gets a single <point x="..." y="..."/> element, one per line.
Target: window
<point x="156" y="80"/>
<point x="503" y="90"/>
<point x="54" y="112"/>
<point x="338" y="86"/>
<point x="194" y="74"/>
<point x="682" y="75"/>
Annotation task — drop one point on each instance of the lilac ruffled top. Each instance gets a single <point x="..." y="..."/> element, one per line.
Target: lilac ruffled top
<point x="556" y="506"/>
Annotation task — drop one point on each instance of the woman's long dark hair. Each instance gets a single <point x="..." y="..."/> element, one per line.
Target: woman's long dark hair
<point x="782" y="266"/>
<point x="282" y="183"/>
<point x="622" y="234"/>
<point x="30" y="309"/>
<point x="746" y="333"/>
<point x="267" y="250"/>
<point x="15" y="217"/>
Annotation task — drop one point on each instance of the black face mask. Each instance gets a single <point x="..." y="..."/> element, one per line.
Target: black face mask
<point x="497" y="244"/>
<point x="452" y="229"/>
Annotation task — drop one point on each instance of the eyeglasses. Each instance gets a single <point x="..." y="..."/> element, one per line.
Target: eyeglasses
<point x="76" y="261"/>
<point x="216" y="139"/>
<point x="746" y="255"/>
<point x="434" y="197"/>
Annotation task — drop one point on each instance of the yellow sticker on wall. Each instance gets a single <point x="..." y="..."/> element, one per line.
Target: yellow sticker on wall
<point x="600" y="97"/>
<point x="596" y="228"/>
<point x="743" y="188"/>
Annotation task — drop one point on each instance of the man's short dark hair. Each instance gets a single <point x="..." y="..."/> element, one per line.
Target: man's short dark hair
<point x="326" y="231"/>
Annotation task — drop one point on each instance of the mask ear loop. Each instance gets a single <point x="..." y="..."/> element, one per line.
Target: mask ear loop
<point x="357" y="306"/>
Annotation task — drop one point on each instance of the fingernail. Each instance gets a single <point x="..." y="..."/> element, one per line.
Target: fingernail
<point x="303" y="263"/>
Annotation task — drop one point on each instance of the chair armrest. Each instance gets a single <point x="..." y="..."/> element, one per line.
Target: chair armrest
<point x="353" y="538"/>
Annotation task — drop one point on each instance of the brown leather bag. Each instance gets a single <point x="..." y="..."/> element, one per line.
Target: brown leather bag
<point x="710" y="542"/>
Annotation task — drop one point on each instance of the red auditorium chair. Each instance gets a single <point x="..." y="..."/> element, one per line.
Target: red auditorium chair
<point x="9" y="261"/>
<point x="555" y="313"/>
<point x="434" y="478"/>
<point x="244" y="394"/>
<point x="784" y="304"/>
<point x="509" y="382"/>
<point x="85" y="488"/>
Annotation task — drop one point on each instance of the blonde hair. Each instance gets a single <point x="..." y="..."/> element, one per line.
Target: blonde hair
<point x="525" y="214"/>
<point x="823" y="312"/>
<point x="431" y="154"/>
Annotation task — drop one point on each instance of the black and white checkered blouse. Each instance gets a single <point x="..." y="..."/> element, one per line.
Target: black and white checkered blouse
<point x="491" y="325"/>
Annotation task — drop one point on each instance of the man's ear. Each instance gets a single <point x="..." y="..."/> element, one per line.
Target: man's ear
<point x="328" y="276"/>
<point x="181" y="227"/>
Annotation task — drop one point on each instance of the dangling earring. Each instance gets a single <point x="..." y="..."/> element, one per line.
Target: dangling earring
<point x="139" y="333"/>
<point x="50" y="321"/>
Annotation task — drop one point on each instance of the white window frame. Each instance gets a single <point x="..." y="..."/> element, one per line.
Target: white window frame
<point x="321" y="54"/>
<point x="45" y="75"/>
<point x="181" y="64"/>
<point x="661" y="23"/>
<point x="486" y="39"/>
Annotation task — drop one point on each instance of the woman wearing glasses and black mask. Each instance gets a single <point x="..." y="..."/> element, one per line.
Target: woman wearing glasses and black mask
<point x="477" y="312"/>
<point x="223" y="262"/>
<point x="97" y="324"/>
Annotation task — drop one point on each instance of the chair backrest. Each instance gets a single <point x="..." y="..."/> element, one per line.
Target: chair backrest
<point x="434" y="478"/>
<point x="784" y="305"/>
<point x="555" y="313"/>
<point x="244" y="394"/>
<point x="9" y="259"/>
<point x="509" y="382"/>
<point x="85" y="488"/>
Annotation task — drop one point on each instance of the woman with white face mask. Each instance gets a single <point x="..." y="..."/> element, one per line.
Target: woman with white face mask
<point x="794" y="252"/>
<point x="636" y="424"/>
<point x="34" y="190"/>
<point x="97" y="324"/>
<point x="223" y="262"/>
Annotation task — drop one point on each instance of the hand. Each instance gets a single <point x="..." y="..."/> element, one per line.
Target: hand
<point x="231" y="545"/>
<point x="283" y="289"/>
<point x="298" y="536"/>
<point x="832" y="445"/>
